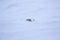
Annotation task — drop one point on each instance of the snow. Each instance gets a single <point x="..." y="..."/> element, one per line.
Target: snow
<point x="46" y="15"/>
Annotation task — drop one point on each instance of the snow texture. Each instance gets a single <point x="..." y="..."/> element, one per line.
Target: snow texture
<point x="44" y="13"/>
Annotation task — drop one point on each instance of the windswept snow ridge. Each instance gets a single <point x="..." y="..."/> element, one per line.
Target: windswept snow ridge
<point x="29" y="19"/>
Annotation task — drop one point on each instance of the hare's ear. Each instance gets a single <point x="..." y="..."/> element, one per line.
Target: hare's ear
<point x="30" y="20"/>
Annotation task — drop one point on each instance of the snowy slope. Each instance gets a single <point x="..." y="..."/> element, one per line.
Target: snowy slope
<point x="13" y="24"/>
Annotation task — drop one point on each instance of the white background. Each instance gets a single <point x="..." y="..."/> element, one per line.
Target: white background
<point x="13" y="24"/>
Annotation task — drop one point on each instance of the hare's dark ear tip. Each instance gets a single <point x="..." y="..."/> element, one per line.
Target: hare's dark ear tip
<point x="30" y="20"/>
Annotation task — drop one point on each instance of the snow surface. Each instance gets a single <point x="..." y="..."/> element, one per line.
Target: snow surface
<point x="46" y="15"/>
